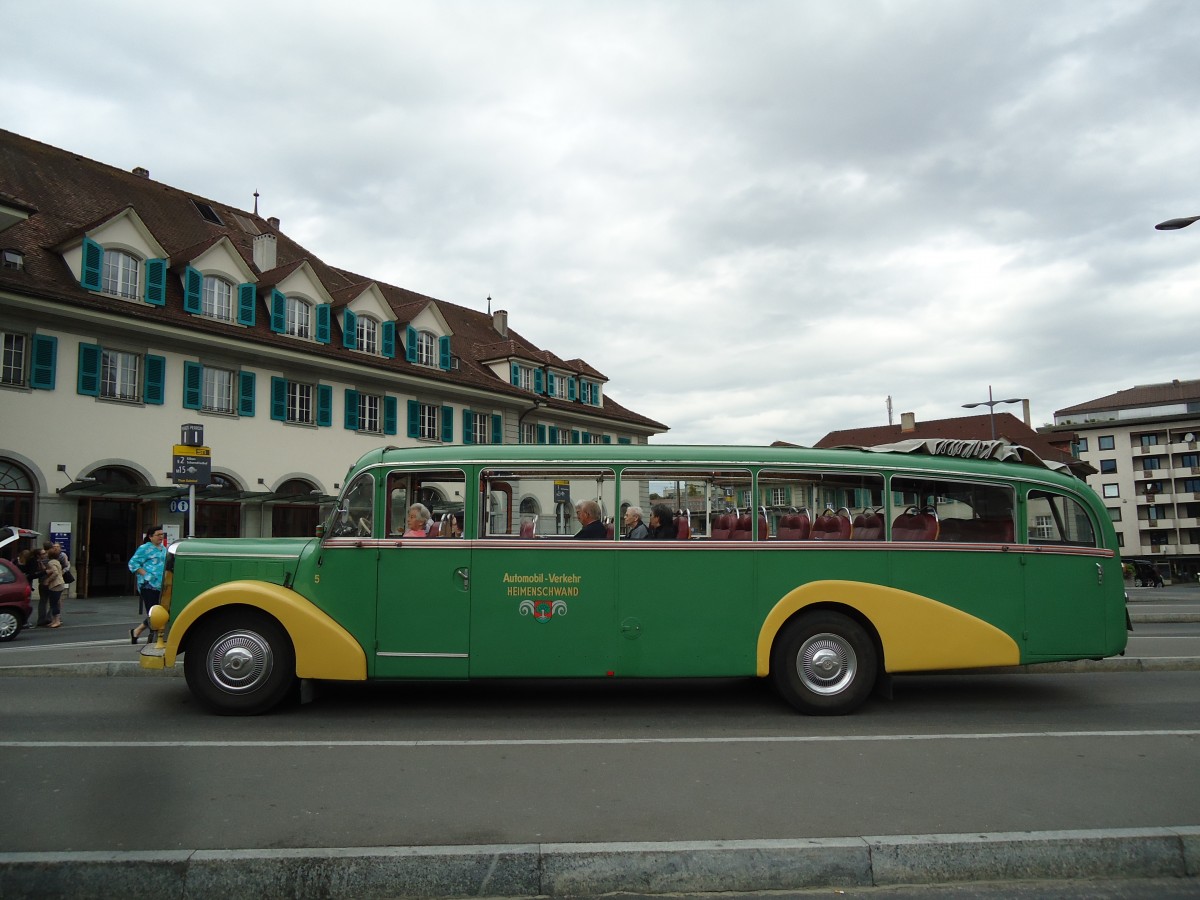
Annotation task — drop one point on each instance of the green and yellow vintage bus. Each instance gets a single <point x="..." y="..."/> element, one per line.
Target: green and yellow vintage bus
<point x="825" y="571"/>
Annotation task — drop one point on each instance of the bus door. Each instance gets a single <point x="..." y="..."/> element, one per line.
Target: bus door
<point x="1066" y="588"/>
<point x="424" y="596"/>
<point x="543" y="603"/>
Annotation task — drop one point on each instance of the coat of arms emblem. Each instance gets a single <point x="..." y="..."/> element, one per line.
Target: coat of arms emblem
<point x="543" y="610"/>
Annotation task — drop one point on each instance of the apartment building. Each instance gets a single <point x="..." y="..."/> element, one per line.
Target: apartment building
<point x="130" y="308"/>
<point x="1143" y="444"/>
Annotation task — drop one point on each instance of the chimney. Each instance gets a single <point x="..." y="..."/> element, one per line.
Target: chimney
<point x="500" y="322"/>
<point x="141" y="173"/>
<point x="273" y="221"/>
<point x="264" y="252"/>
<point x="1025" y="409"/>
<point x="908" y="423"/>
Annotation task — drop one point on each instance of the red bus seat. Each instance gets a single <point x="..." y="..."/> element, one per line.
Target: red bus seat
<point x="833" y="526"/>
<point x="722" y="527"/>
<point x="741" y="530"/>
<point x="868" y="526"/>
<point x="795" y="526"/>
<point x="683" y="525"/>
<point x="915" y="525"/>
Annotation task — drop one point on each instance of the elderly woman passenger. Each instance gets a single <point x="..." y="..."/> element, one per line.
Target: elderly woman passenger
<point x="418" y="521"/>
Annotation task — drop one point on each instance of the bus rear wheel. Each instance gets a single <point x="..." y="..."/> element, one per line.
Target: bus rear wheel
<point x="239" y="663"/>
<point x="824" y="663"/>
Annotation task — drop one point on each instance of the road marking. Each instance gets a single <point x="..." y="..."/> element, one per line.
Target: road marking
<point x="567" y="742"/>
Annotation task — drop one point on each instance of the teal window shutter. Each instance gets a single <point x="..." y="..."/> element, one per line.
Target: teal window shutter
<point x="156" y="282"/>
<point x="550" y="383"/>
<point x="154" y="383"/>
<point x="324" y="324"/>
<point x="622" y="440"/>
<point x="553" y="434"/>
<point x="278" y="311"/>
<point x="93" y="265"/>
<point x="539" y="381"/>
<point x="410" y="344"/>
<point x="387" y="340"/>
<point x="43" y="362"/>
<point x="245" y="394"/>
<point x="497" y="429"/>
<point x="193" y="287"/>
<point x="88" y="381"/>
<point x="349" y="330"/>
<point x="572" y="389"/>
<point x="390" y="415"/>
<point x="607" y="439"/>
<point x="515" y="374"/>
<point x="575" y="436"/>
<point x="279" y="398"/>
<point x="247" y="302"/>
<point x="414" y="418"/>
<point x="193" y="383"/>
<point x="468" y="427"/>
<point x="447" y="424"/>
<point x="324" y="405"/>
<point x="585" y="438"/>
<point x="444" y="353"/>
<point x="541" y="433"/>
<point x="350" y="418"/>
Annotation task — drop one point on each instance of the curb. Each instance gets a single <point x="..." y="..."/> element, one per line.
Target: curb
<point x="588" y="870"/>
<point x="89" y="669"/>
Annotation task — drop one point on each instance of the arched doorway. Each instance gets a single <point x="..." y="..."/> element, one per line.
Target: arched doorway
<point x="113" y="524"/>
<point x="16" y="501"/>
<point x="218" y="510"/>
<point x="295" y="514"/>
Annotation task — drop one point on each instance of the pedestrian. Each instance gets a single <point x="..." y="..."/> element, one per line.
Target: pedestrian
<point x="147" y="563"/>
<point x="52" y="580"/>
<point x="54" y="550"/>
<point x="28" y="562"/>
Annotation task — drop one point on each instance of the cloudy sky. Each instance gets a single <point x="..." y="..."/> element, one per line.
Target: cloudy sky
<point x="758" y="219"/>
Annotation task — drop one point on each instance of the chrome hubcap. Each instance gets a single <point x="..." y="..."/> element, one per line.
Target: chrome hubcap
<point x="239" y="661"/>
<point x="826" y="663"/>
<point x="8" y="624"/>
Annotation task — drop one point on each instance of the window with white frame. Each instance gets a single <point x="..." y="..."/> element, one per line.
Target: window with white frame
<point x="780" y="496"/>
<point x="427" y="349"/>
<point x="122" y="274"/>
<point x="12" y="364"/>
<point x="482" y="428"/>
<point x="595" y="439"/>
<point x="299" y="403"/>
<point x="119" y="375"/>
<point x="560" y="387"/>
<point x="369" y="406"/>
<point x="525" y="380"/>
<point x="216" y="301"/>
<point x="299" y="318"/>
<point x="529" y="433"/>
<point x="217" y="390"/>
<point x="366" y="334"/>
<point x="429" y="426"/>
<point x="1042" y="527"/>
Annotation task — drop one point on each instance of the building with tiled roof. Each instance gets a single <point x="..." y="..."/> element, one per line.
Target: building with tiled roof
<point x="1142" y="442"/>
<point x="129" y="308"/>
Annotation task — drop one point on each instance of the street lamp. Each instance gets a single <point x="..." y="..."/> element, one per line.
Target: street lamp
<point x="991" y="405"/>
<point x="1176" y="224"/>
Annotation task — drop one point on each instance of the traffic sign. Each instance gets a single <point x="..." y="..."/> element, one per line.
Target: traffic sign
<point x="191" y="465"/>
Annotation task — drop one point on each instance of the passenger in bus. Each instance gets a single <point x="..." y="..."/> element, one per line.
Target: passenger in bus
<point x="418" y="521"/>
<point x="662" y="523"/>
<point x="588" y="514"/>
<point x="450" y="526"/>
<point x="636" y="529"/>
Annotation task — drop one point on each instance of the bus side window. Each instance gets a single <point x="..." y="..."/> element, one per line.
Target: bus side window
<point x="1054" y="518"/>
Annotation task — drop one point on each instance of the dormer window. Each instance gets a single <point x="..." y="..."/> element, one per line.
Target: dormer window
<point x="121" y="274"/>
<point x="299" y="318"/>
<point x="427" y="349"/>
<point x="217" y="301"/>
<point x="366" y="335"/>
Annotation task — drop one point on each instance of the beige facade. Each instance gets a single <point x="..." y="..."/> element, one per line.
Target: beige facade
<point x="1145" y="445"/>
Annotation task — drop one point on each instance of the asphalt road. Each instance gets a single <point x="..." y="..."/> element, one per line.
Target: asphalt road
<point x="132" y="763"/>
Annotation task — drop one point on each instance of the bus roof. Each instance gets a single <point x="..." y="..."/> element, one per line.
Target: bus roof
<point x="968" y="456"/>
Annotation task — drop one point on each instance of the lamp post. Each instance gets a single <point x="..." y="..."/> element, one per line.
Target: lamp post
<point x="1176" y="224"/>
<point x="991" y="405"/>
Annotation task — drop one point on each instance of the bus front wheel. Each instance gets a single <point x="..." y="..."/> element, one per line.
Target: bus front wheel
<point x="824" y="663"/>
<point x="239" y="663"/>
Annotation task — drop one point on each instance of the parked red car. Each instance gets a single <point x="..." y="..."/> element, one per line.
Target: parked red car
<point x="15" y="606"/>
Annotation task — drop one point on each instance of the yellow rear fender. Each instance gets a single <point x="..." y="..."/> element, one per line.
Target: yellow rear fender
<point x="916" y="633"/>
<point x="324" y="649"/>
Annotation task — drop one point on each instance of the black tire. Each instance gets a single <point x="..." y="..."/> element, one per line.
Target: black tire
<point x="11" y="623"/>
<point x="239" y="663"/>
<point x="824" y="663"/>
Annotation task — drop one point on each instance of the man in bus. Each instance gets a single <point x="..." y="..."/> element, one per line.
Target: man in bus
<point x="588" y="514"/>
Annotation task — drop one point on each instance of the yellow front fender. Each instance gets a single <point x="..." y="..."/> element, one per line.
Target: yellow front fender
<point x="917" y="633"/>
<point x="324" y="649"/>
